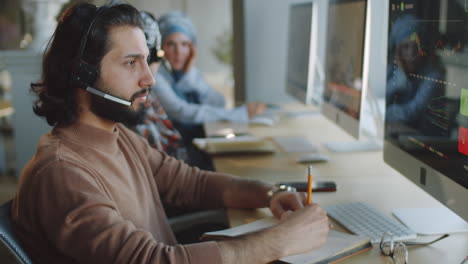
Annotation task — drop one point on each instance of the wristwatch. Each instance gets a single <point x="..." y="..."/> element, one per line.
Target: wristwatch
<point x="279" y="188"/>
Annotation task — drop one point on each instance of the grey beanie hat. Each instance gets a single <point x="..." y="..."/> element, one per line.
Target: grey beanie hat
<point x="176" y="21"/>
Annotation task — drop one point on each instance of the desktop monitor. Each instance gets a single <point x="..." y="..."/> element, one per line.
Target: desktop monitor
<point x="426" y="119"/>
<point x="300" y="72"/>
<point x="344" y="90"/>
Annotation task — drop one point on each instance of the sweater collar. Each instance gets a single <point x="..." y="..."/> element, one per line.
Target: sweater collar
<point x="89" y="136"/>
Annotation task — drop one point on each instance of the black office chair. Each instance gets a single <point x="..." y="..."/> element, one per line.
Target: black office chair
<point x="7" y="237"/>
<point x="180" y="224"/>
<point x="189" y="227"/>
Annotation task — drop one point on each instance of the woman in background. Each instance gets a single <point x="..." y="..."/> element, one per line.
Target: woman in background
<point x="180" y="86"/>
<point x="183" y="92"/>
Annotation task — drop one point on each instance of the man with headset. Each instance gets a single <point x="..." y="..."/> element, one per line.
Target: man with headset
<point x="92" y="192"/>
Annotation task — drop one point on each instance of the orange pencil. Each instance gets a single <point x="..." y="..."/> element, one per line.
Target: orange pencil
<point x="309" y="185"/>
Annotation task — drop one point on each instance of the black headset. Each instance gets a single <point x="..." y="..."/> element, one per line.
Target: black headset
<point x="85" y="75"/>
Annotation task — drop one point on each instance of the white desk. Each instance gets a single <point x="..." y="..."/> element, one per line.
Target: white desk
<point x="359" y="177"/>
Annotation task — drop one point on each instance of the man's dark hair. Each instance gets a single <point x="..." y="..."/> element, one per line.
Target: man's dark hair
<point x="56" y="92"/>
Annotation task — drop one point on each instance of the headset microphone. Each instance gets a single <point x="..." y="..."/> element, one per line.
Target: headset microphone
<point x="108" y="96"/>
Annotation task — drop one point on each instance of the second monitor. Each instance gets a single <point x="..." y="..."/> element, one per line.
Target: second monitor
<point x="347" y="77"/>
<point x="300" y="71"/>
<point x="345" y="88"/>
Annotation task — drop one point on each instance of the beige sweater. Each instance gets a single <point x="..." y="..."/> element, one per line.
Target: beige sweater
<point x="91" y="196"/>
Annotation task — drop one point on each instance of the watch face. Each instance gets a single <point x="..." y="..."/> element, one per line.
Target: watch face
<point x="284" y="188"/>
<point x="279" y="188"/>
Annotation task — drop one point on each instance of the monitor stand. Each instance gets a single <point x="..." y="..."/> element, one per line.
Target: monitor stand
<point x="431" y="221"/>
<point x="356" y="146"/>
<point x="371" y="129"/>
<point x="369" y="141"/>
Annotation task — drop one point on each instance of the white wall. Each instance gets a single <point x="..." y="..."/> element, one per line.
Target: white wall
<point x="266" y="25"/>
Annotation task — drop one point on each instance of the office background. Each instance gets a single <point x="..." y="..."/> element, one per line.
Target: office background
<point x="258" y="29"/>
<point x="259" y="32"/>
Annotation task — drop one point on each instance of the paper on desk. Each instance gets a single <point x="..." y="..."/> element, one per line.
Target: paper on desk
<point x="337" y="242"/>
<point x="244" y="229"/>
<point x="247" y="143"/>
<point x="202" y="142"/>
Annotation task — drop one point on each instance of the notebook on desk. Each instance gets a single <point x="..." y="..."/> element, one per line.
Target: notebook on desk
<point x="241" y="144"/>
<point x="339" y="245"/>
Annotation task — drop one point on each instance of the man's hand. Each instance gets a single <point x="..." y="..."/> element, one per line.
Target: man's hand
<point x="298" y="232"/>
<point x="303" y="230"/>
<point x="283" y="202"/>
<point x="255" y="108"/>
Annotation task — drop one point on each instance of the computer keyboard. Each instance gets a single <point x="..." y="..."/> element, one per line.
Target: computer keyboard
<point x="363" y="220"/>
<point x="295" y="144"/>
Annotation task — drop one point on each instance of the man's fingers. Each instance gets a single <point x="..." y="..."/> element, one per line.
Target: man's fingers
<point x="303" y="198"/>
<point x="297" y="203"/>
<point x="277" y="210"/>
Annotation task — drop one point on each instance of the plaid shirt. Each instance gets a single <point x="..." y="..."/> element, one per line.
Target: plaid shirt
<point x="159" y="130"/>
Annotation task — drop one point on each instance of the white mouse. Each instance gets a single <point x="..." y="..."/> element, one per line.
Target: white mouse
<point x="312" y="158"/>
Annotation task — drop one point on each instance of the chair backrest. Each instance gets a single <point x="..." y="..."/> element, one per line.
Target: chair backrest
<point x="7" y="236"/>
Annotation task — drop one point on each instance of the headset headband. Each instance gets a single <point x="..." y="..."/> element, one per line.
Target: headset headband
<point x="84" y="40"/>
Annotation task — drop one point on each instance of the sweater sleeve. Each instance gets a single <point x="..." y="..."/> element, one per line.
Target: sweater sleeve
<point x="184" y="186"/>
<point x="181" y="110"/>
<point x="83" y="222"/>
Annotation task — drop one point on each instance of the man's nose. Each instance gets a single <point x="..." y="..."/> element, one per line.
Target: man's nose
<point x="147" y="79"/>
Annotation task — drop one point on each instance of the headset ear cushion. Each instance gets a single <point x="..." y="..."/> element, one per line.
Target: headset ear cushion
<point x="86" y="75"/>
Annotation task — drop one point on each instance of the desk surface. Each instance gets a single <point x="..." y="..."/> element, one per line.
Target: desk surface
<point x="359" y="177"/>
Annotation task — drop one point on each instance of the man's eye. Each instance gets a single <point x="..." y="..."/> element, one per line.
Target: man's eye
<point x="131" y="62"/>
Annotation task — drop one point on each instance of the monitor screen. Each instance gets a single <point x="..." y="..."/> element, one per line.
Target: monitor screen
<point x="299" y="71"/>
<point x="426" y="120"/>
<point x="344" y="89"/>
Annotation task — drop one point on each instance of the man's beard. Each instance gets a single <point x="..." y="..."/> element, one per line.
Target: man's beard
<point x="116" y="112"/>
